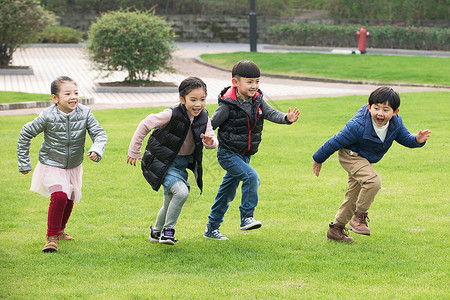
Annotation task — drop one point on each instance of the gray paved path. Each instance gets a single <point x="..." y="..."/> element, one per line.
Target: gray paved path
<point x="50" y="62"/>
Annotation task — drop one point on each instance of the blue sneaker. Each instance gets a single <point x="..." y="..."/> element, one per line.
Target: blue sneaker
<point x="249" y="223"/>
<point x="154" y="236"/>
<point x="213" y="234"/>
<point x="167" y="237"/>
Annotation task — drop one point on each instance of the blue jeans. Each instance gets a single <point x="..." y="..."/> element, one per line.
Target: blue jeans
<point x="238" y="169"/>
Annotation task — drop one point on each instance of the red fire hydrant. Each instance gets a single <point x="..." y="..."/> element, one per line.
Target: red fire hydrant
<point x="363" y="34"/>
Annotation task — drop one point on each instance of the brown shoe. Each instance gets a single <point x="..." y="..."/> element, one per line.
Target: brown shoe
<point x="52" y="244"/>
<point x="64" y="236"/>
<point x="339" y="233"/>
<point x="358" y="224"/>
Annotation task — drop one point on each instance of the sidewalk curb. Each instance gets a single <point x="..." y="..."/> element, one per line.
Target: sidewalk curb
<point x="324" y="79"/>
<point x="21" y="70"/>
<point x="136" y="89"/>
<point x="37" y="104"/>
<point x="370" y="51"/>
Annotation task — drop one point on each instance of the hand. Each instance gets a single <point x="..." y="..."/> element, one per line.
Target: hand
<point x="292" y="116"/>
<point x="423" y="136"/>
<point x="208" y="139"/>
<point x="24" y="172"/>
<point x="316" y="168"/>
<point x="132" y="161"/>
<point x="92" y="156"/>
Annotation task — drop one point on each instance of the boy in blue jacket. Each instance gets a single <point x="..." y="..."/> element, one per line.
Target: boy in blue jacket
<point x="363" y="141"/>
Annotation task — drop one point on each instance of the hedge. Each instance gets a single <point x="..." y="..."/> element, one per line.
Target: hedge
<point x="407" y="10"/>
<point x="59" y="34"/>
<point x="396" y="37"/>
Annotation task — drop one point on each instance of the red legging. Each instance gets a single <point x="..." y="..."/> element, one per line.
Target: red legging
<point x="58" y="213"/>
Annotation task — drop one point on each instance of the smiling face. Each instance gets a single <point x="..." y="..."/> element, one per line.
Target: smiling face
<point x="67" y="97"/>
<point x="381" y="113"/>
<point x="194" y="101"/>
<point x="247" y="87"/>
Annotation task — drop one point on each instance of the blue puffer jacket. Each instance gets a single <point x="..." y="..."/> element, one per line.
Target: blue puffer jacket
<point x="359" y="136"/>
<point x="64" y="137"/>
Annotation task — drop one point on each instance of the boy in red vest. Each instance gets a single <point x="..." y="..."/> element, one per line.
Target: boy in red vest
<point x="240" y="118"/>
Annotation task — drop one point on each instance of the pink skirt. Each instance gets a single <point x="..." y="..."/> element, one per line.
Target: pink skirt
<point x="47" y="180"/>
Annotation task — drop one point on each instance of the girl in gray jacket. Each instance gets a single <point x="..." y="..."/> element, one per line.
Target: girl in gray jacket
<point x="58" y="173"/>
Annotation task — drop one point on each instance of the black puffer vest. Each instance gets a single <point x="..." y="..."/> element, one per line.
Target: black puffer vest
<point x="241" y="132"/>
<point x="164" y="144"/>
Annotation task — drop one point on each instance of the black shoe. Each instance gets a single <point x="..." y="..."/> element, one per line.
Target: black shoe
<point x="154" y="236"/>
<point x="167" y="237"/>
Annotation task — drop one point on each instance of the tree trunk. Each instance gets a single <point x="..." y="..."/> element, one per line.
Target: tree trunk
<point x="6" y="53"/>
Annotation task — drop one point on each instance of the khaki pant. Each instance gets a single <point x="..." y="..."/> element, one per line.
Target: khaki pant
<point x="363" y="184"/>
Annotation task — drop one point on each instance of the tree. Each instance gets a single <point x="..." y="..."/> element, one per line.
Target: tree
<point x="138" y="42"/>
<point x="20" y="20"/>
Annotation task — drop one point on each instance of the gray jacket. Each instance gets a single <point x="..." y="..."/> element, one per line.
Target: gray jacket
<point x="64" y="137"/>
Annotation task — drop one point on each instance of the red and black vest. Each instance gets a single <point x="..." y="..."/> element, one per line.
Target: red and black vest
<point x="241" y="132"/>
<point x="164" y="144"/>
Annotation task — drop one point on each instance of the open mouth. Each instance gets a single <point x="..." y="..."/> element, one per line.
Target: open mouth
<point x="380" y="120"/>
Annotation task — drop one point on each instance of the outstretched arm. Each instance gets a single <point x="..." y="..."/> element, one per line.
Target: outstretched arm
<point x="273" y="115"/>
<point x="152" y="121"/>
<point x="423" y="136"/>
<point x="29" y="131"/>
<point x="316" y="168"/>
<point x="292" y="116"/>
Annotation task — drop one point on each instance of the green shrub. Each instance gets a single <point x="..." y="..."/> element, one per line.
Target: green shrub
<point x="399" y="37"/>
<point x="177" y="7"/>
<point x="407" y="10"/>
<point x="314" y="35"/>
<point x="417" y="38"/>
<point x="59" y="34"/>
<point x="138" y="42"/>
<point x="19" y="22"/>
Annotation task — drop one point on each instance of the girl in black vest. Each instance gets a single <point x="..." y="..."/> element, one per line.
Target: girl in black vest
<point x="176" y="144"/>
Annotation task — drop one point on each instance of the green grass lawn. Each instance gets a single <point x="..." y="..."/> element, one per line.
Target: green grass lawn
<point x="12" y="97"/>
<point x="378" y="68"/>
<point x="406" y="257"/>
